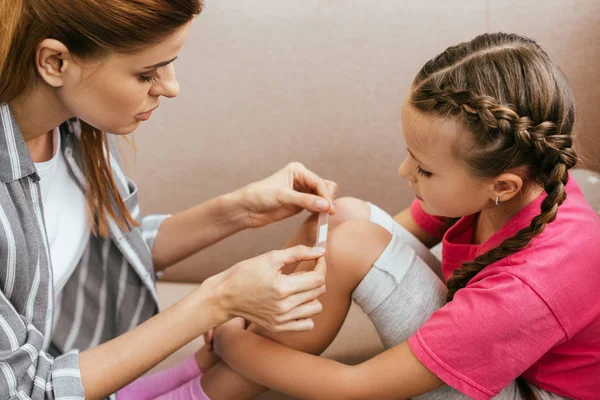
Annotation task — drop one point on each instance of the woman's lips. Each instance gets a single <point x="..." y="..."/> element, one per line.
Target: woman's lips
<point x="145" y="115"/>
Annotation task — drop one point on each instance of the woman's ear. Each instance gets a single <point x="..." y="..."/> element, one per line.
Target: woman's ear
<point x="52" y="58"/>
<point x="506" y="186"/>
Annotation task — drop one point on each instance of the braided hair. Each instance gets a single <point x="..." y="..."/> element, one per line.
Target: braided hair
<point x="519" y="108"/>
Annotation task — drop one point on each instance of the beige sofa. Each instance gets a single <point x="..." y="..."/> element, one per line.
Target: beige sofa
<point x="268" y="82"/>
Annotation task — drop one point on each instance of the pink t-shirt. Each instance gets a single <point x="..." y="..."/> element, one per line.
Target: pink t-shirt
<point x="535" y="313"/>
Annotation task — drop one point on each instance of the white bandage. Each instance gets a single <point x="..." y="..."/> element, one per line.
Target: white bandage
<point x="322" y="226"/>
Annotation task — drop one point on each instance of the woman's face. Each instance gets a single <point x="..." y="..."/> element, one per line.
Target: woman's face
<point x="119" y="92"/>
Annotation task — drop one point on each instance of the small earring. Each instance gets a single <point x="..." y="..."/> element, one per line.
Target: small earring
<point x="497" y="201"/>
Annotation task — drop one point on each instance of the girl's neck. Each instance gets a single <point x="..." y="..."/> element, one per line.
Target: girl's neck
<point x="37" y="113"/>
<point x="492" y="218"/>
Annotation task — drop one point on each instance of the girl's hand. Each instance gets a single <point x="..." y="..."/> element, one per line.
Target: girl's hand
<point x="284" y="194"/>
<point x="208" y="339"/>
<point x="236" y="323"/>
<point x="257" y="291"/>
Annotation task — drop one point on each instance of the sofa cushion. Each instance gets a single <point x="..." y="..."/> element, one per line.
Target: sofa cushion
<point x="590" y="185"/>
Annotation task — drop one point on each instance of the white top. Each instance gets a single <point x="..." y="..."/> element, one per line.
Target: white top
<point x="65" y="213"/>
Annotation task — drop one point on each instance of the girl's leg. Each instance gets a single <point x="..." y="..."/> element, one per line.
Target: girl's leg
<point x="152" y="386"/>
<point x="376" y="254"/>
<point x="347" y="209"/>
<point x="352" y="248"/>
<point x="157" y="384"/>
<point x="388" y="272"/>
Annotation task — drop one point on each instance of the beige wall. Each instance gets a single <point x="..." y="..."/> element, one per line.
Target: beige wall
<point x="321" y="81"/>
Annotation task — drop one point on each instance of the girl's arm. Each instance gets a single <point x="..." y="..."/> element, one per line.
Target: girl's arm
<point x="395" y="373"/>
<point x="407" y="221"/>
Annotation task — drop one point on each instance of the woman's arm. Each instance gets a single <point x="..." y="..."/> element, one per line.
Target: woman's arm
<point x="254" y="289"/>
<point x="192" y="230"/>
<point x="279" y="196"/>
<point x="112" y="365"/>
<point x="393" y="374"/>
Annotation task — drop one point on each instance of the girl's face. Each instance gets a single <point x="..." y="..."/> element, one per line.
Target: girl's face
<point x="442" y="183"/>
<point x="119" y="92"/>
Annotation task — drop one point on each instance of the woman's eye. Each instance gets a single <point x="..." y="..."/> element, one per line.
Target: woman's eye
<point x="150" y="79"/>
<point x="421" y="171"/>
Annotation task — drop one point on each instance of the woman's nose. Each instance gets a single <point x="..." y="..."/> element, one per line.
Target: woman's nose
<point x="167" y="85"/>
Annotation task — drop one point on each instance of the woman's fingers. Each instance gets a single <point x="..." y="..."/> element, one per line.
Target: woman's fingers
<point x="303" y="311"/>
<point x="298" y="325"/>
<point x="298" y="299"/>
<point x="304" y="286"/>
<point x="309" y="181"/>
<point x="333" y="189"/>
<point x="299" y="283"/>
<point x="321" y="266"/>
<point x="291" y="255"/>
<point x="256" y="289"/>
<point x="306" y="201"/>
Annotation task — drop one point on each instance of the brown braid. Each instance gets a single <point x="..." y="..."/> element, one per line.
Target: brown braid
<point x="556" y="195"/>
<point x="519" y="108"/>
<point x="552" y="152"/>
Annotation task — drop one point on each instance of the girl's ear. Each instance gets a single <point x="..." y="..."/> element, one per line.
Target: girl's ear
<point x="506" y="186"/>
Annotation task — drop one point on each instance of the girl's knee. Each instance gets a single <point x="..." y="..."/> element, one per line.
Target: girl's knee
<point x="353" y="247"/>
<point x="349" y="209"/>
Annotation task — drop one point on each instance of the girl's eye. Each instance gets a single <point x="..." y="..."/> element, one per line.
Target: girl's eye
<point x="421" y="171"/>
<point x="150" y="79"/>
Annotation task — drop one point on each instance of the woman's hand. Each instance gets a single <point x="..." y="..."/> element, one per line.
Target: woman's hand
<point x="257" y="291"/>
<point x="284" y="194"/>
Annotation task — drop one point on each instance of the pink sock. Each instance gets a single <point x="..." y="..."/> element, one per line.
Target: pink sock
<point x="159" y="383"/>
<point x="191" y="390"/>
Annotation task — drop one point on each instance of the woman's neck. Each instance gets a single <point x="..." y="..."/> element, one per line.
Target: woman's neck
<point x="37" y="113"/>
<point x="492" y="218"/>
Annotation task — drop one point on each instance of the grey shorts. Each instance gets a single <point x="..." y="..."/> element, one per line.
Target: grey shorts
<point x="402" y="289"/>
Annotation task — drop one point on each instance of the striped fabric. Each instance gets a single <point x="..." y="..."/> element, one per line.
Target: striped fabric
<point x="112" y="290"/>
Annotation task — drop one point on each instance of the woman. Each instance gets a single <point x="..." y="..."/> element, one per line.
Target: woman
<point x="78" y="261"/>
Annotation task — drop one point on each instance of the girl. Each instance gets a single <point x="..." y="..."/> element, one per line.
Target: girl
<point x="488" y="127"/>
<point x="78" y="261"/>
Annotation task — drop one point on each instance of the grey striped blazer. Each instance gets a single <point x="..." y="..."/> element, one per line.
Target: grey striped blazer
<point x="112" y="289"/>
